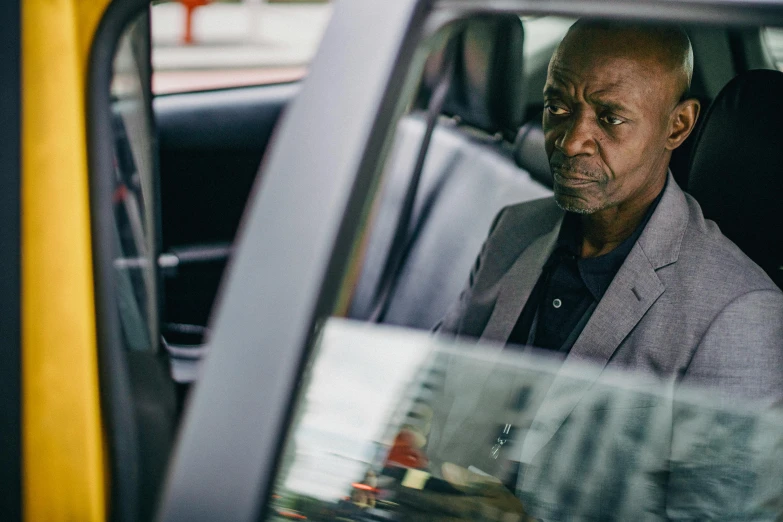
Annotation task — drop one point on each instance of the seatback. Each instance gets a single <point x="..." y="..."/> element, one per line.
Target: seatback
<point x="468" y="176"/>
<point x="530" y="153"/>
<point x="736" y="170"/>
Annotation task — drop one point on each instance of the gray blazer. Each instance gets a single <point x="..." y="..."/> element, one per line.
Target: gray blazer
<point x="687" y="308"/>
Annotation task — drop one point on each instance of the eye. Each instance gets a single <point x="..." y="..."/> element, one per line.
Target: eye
<point x="556" y="110"/>
<point x="611" y="120"/>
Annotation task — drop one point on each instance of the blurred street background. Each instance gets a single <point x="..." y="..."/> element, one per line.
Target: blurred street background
<point x="234" y="42"/>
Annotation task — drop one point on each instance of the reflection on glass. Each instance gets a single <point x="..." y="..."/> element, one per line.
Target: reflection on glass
<point x="402" y="425"/>
<point x="349" y="410"/>
<point x="135" y="262"/>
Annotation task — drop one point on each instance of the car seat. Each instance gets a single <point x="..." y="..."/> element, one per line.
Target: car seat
<point x="736" y="170"/>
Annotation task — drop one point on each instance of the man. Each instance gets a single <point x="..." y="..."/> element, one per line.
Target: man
<point x="620" y="271"/>
<point x="620" y="267"/>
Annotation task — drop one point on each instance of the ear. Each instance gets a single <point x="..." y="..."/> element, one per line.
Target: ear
<point x="683" y="120"/>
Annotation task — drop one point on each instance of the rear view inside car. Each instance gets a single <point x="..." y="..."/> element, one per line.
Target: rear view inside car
<point x="374" y="411"/>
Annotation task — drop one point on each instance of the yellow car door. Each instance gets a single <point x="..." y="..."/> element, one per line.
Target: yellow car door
<point x="63" y="456"/>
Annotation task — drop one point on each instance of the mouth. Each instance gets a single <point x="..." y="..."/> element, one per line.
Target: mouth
<point x="567" y="181"/>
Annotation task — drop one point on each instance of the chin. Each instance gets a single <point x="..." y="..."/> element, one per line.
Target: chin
<point x="576" y="205"/>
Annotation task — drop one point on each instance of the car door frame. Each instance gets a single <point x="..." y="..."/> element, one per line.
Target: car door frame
<point x="299" y="229"/>
<point x="10" y="284"/>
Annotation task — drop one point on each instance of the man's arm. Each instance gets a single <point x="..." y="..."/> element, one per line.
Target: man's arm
<point x="724" y="468"/>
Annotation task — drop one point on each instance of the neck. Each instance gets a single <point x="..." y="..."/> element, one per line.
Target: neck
<point x="604" y="230"/>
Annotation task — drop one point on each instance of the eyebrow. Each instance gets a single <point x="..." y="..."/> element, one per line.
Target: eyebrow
<point x="553" y="91"/>
<point x="610" y="105"/>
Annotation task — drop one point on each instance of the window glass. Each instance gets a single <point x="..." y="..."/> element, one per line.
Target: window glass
<point x="395" y="422"/>
<point x="134" y="194"/>
<point x="400" y="423"/>
<point x="209" y="44"/>
<point x="773" y="39"/>
<point x="541" y="34"/>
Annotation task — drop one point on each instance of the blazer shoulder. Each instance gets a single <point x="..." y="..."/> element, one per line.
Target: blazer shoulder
<point x="527" y="219"/>
<point x="716" y="260"/>
<point x="513" y="230"/>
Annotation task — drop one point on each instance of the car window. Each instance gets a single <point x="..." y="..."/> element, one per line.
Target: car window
<point x="210" y="44"/>
<point x="386" y="414"/>
<point x="542" y="33"/>
<point x="394" y="420"/>
<point x="773" y="40"/>
<point x="134" y="197"/>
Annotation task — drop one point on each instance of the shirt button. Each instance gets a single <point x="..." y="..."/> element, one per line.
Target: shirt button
<point x="557" y="303"/>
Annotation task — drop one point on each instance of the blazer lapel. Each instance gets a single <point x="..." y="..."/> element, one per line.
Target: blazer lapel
<point x="516" y="285"/>
<point x="633" y="291"/>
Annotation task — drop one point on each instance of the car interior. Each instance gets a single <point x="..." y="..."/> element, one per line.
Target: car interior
<point x="470" y="144"/>
<point x="486" y="151"/>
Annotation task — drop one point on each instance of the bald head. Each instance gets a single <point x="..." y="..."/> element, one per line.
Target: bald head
<point x="616" y="106"/>
<point x="666" y="48"/>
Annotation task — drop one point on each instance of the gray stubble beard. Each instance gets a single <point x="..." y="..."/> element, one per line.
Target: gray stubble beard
<point x="582" y="211"/>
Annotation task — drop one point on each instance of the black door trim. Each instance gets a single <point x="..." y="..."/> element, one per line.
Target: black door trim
<point x="10" y="246"/>
<point x="115" y="384"/>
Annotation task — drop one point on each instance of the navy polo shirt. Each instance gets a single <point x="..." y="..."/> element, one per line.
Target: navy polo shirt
<point x="570" y="287"/>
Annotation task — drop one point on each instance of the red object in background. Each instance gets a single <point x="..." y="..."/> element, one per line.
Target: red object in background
<point x="190" y="6"/>
<point x="404" y="453"/>
<point x="364" y="487"/>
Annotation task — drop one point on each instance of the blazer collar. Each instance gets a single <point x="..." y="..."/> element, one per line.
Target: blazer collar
<point x="633" y="291"/>
<point x="662" y="237"/>
<point x="659" y="244"/>
<point x="636" y="286"/>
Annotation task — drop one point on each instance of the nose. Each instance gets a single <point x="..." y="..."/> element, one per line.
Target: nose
<point x="578" y="135"/>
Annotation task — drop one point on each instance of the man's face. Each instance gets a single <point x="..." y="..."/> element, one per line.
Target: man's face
<point x="606" y="121"/>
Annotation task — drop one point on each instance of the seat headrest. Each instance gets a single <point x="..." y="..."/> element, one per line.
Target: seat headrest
<point x="736" y="171"/>
<point x="530" y="153"/>
<point x="486" y="87"/>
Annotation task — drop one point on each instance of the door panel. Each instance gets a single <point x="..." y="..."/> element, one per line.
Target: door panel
<point x="211" y="145"/>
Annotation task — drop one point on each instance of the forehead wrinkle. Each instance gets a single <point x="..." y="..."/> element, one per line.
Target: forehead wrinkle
<point x="613" y="67"/>
<point x="666" y="49"/>
<point x="559" y="76"/>
<point x="610" y="93"/>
